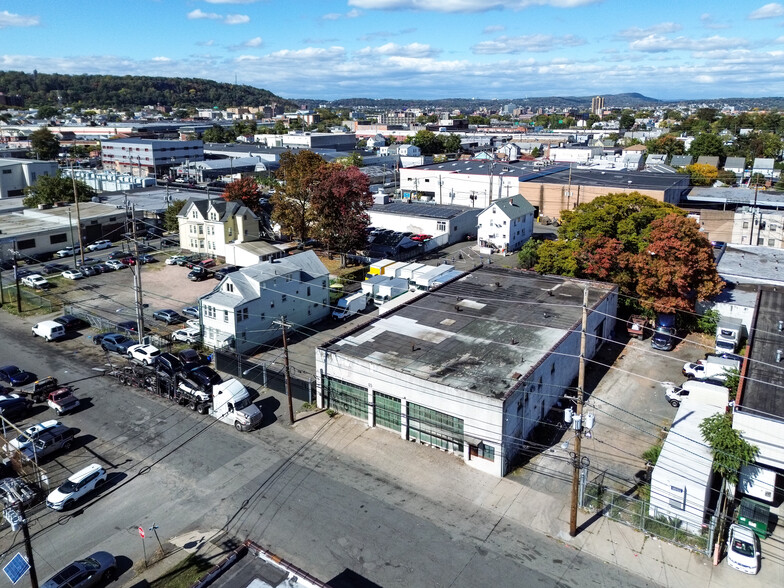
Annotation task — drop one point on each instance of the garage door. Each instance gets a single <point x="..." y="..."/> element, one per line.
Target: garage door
<point x="435" y="428"/>
<point x="387" y="411"/>
<point x="345" y="397"/>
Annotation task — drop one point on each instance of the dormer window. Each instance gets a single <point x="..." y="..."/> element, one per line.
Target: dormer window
<point x="229" y="287"/>
<point x="195" y="214"/>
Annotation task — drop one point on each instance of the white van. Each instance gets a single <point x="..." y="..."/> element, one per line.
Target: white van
<point x="677" y="394"/>
<point x="49" y="330"/>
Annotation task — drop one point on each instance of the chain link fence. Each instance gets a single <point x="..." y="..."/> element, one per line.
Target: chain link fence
<point x="631" y="509"/>
<point x="30" y="301"/>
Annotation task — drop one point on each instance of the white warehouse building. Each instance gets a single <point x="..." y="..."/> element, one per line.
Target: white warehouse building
<point x="470" y="367"/>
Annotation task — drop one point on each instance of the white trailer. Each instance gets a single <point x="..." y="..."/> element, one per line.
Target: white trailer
<point x="445" y="277"/>
<point x="349" y="306"/>
<point x="391" y="270"/>
<point x="424" y="280"/>
<point x="370" y="286"/>
<point x="757" y="482"/>
<point x="392" y="289"/>
<point x="408" y="271"/>
<point x="728" y="333"/>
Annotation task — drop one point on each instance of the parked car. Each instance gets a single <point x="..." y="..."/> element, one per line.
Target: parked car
<point x="743" y="550"/>
<point x="36" y="281"/>
<point x="87" y="271"/>
<point x="189" y="335"/>
<point x="421" y="237"/>
<point x="77" y="487"/>
<point x="98" y="245"/>
<point x="168" y="316"/>
<point x="192" y="260"/>
<point x="191" y="359"/>
<point x="13" y="406"/>
<point x="103" y="268"/>
<point x="191" y="311"/>
<point x="129" y="260"/>
<point x="130" y="327"/>
<point x="117" y="343"/>
<point x="62" y="401"/>
<point x="197" y="274"/>
<point x="70" y="322"/>
<point x="87" y="260"/>
<point x="114" y="255"/>
<point x="72" y="275"/>
<point x="59" y="437"/>
<point x="116" y="264"/>
<point x="15" y="376"/>
<point x="49" y="330"/>
<point x="66" y="252"/>
<point x="30" y="435"/>
<point x="209" y="262"/>
<point x="205" y="376"/>
<point x="98" y="569"/>
<point x="225" y="271"/>
<point x="168" y="364"/>
<point x="147" y="258"/>
<point x="54" y="268"/>
<point x="143" y="353"/>
<point x="175" y="260"/>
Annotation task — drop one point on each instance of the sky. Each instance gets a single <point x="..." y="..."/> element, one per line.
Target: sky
<point x="412" y="49"/>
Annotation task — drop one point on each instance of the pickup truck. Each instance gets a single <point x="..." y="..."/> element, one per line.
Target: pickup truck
<point x="62" y="401"/>
<point x="636" y="326"/>
<point x="36" y="281"/>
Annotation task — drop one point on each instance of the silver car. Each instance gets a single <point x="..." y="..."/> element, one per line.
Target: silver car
<point x="99" y="568"/>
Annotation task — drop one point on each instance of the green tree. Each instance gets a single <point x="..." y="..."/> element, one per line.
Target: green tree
<point x="764" y="145"/>
<point x="626" y="120"/>
<point x="558" y="257"/>
<point x="528" y="256"/>
<point x="535" y="152"/>
<point x="217" y="134"/>
<point x="707" y="321"/>
<point x="58" y="188"/>
<point x="730" y="450"/>
<point x="592" y="120"/>
<point x="668" y="145"/>
<point x="45" y="145"/>
<point x="47" y="111"/>
<point x="450" y="143"/>
<point x="353" y="158"/>
<point x="758" y="179"/>
<point x="245" y="190"/>
<point x="732" y="382"/>
<point x="726" y="176"/>
<point x="707" y="144"/>
<point x="339" y="208"/>
<point x="299" y="174"/>
<point x="427" y="142"/>
<point x="170" y="221"/>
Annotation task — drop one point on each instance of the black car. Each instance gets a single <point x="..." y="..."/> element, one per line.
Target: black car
<point x="198" y="274"/>
<point x="13" y="406"/>
<point x="225" y="271"/>
<point x="191" y="359"/>
<point x="15" y="376"/>
<point x="102" y="268"/>
<point x="117" y="343"/>
<point x="191" y="261"/>
<point x="70" y="322"/>
<point x="54" y="268"/>
<point x="117" y="255"/>
<point x="205" y="376"/>
<point x="6" y="264"/>
<point x="130" y="327"/>
<point x="168" y="364"/>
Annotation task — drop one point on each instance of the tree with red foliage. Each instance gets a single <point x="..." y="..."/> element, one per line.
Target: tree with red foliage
<point x="605" y="259"/>
<point x="246" y="191"/>
<point x="339" y="208"/>
<point x="678" y="267"/>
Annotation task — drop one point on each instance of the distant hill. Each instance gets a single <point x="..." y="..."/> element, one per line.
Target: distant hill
<point x="130" y="92"/>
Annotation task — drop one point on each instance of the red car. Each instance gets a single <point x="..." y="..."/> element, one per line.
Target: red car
<point x="421" y="237"/>
<point x="207" y="262"/>
<point x="130" y="260"/>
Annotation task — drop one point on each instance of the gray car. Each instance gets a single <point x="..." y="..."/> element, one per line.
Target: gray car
<point x="48" y="442"/>
<point x="97" y="569"/>
<point x="169" y="317"/>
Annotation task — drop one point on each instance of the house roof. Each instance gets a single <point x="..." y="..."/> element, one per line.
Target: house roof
<point x="257" y="247"/>
<point x="763" y="163"/>
<point x="628" y="180"/>
<point x="735" y="163"/>
<point x="709" y="160"/>
<point x="514" y="206"/>
<point x="681" y="160"/>
<point x="225" y="210"/>
<point x="640" y="148"/>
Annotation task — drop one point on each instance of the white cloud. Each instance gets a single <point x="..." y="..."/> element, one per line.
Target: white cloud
<point x="772" y="10"/>
<point x="254" y="42"/>
<point x="331" y="16"/>
<point x="199" y="14"/>
<point x="209" y="43"/>
<point x="413" y="50"/>
<point x="493" y="29"/>
<point x="337" y="15"/>
<point x="161" y="59"/>
<point x="659" y="29"/>
<point x="661" y="44"/>
<point x="526" y="44"/>
<point x="232" y="19"/>
<point x="779" y="41"/>
<point x="353" y="13"/>
<point x="9" y="19"/>
<point x="709" y="22"/>
<point x="464" y="5"/>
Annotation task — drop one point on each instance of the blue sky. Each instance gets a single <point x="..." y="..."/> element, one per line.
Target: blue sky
<point x="412" y="48"/>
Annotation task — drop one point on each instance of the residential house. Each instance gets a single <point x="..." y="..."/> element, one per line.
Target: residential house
<point x="240" y="312"/>
<point x="206" y="226"/>
<point x="681" y="160"/>
<point x="736" y="165"/>
<point x="712" y="160"/>
<point x="764" y="166"/>
<point x="506" y="224"/>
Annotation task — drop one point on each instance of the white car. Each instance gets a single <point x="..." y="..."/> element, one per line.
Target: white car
<point x="36" y="281"/>
<point x="189" y="335"/>
<point x="67" y="252"/>
<point x="98" y="245"/>
<point x="116" y="264"/>
<point x="145" y="354"/>
<point x="743" y="550"/>
<point x="72" y="275"/>
<point x="77" y="486"/>
<point x="174" y="259"/>
<point x="193" y="324"/>
<point x="30" y="435"/>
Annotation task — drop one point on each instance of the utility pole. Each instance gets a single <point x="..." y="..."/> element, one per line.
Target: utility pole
<point x="283" y="324"/>
<point x="579" y="420"/>
<point x="16" y="279"/>
<point x="28" y="547"/>
<point x="569" y="189"/>
<point x="137" y="279"/>
<point x="78" y="218"/>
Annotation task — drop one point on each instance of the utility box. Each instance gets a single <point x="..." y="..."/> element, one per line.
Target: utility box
<point x="755" y="516"/>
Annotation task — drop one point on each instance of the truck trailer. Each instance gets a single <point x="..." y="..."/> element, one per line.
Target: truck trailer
<point x="349" y="306"/>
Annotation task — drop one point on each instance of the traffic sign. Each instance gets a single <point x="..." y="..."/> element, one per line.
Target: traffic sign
<point x="141" y="532"/>
<point x="16" y="568"/>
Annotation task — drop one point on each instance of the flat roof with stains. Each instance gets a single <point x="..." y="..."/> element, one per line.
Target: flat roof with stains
<point x="479" y="333"/>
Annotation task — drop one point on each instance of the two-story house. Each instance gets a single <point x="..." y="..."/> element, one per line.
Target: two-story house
<point x="506" y="224"/>
<point x="240" y="311"/>
<point x="206" y="226"/>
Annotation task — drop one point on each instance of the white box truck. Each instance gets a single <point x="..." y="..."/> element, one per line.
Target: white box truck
<point x="370" y="286"/>
<point x="710" y="368"/>
<point x="391" y="270"/>
<point x="408" y="271"/>
<point x="728" y="334"/>
<point x="391" y="289"/>
<point x="445" y="277"/>
<point x="757" y="482"/>
<point x="349" y="306"/>
<point x="423" y="279"/>
<point x="677" y="394"/>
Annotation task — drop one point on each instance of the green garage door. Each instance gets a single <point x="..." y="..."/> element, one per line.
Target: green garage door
<point x="345" y="397"/>
<point x="387" y="411"/>
<point x="435" y="428"/>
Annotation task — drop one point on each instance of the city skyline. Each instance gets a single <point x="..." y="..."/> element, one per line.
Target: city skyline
<point x="415" y="49"/>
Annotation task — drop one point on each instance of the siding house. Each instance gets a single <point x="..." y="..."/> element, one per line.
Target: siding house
<point x="506" y="224"/>
<point x="206" y="226"/>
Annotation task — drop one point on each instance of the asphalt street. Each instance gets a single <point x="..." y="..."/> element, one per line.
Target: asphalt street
<point x="319" y="509"/>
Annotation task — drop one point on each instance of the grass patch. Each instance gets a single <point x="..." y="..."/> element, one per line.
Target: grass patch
<point x="184" y="574"/>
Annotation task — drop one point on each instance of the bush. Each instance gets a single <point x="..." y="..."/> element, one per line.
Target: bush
<point x="651" y="455"/>
<point x="707" y="322"/>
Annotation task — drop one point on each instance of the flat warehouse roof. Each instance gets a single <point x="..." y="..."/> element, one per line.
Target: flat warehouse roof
<point x="616" y="178"/>
<point x="421" y="210"/>
<point x="480" y="333"/>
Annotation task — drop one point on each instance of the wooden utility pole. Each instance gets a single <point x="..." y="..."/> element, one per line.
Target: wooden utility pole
<point x="28" y="547"/>
<point x="579" y="418"/>
<point x="287" y="374"/>
<point x="16" y="279"/>
<point x="78" y="218"/>
<point x="137" y="278"/>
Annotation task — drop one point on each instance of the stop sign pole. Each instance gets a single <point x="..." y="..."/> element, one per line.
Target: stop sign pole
<point x="144" y="547"/>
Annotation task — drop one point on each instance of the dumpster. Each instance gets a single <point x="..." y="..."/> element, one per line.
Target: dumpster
<point x="755" y="516"/>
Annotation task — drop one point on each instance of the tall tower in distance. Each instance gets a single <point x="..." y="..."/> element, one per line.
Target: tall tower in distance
<point x="597" y="106"/>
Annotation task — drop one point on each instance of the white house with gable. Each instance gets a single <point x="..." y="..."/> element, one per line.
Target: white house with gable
<point x="240" y="311"/>
<point x="506" y="224"/>
<point x="206" y="226"/>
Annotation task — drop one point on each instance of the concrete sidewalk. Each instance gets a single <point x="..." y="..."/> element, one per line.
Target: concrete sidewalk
<point x="425" y="470"/>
